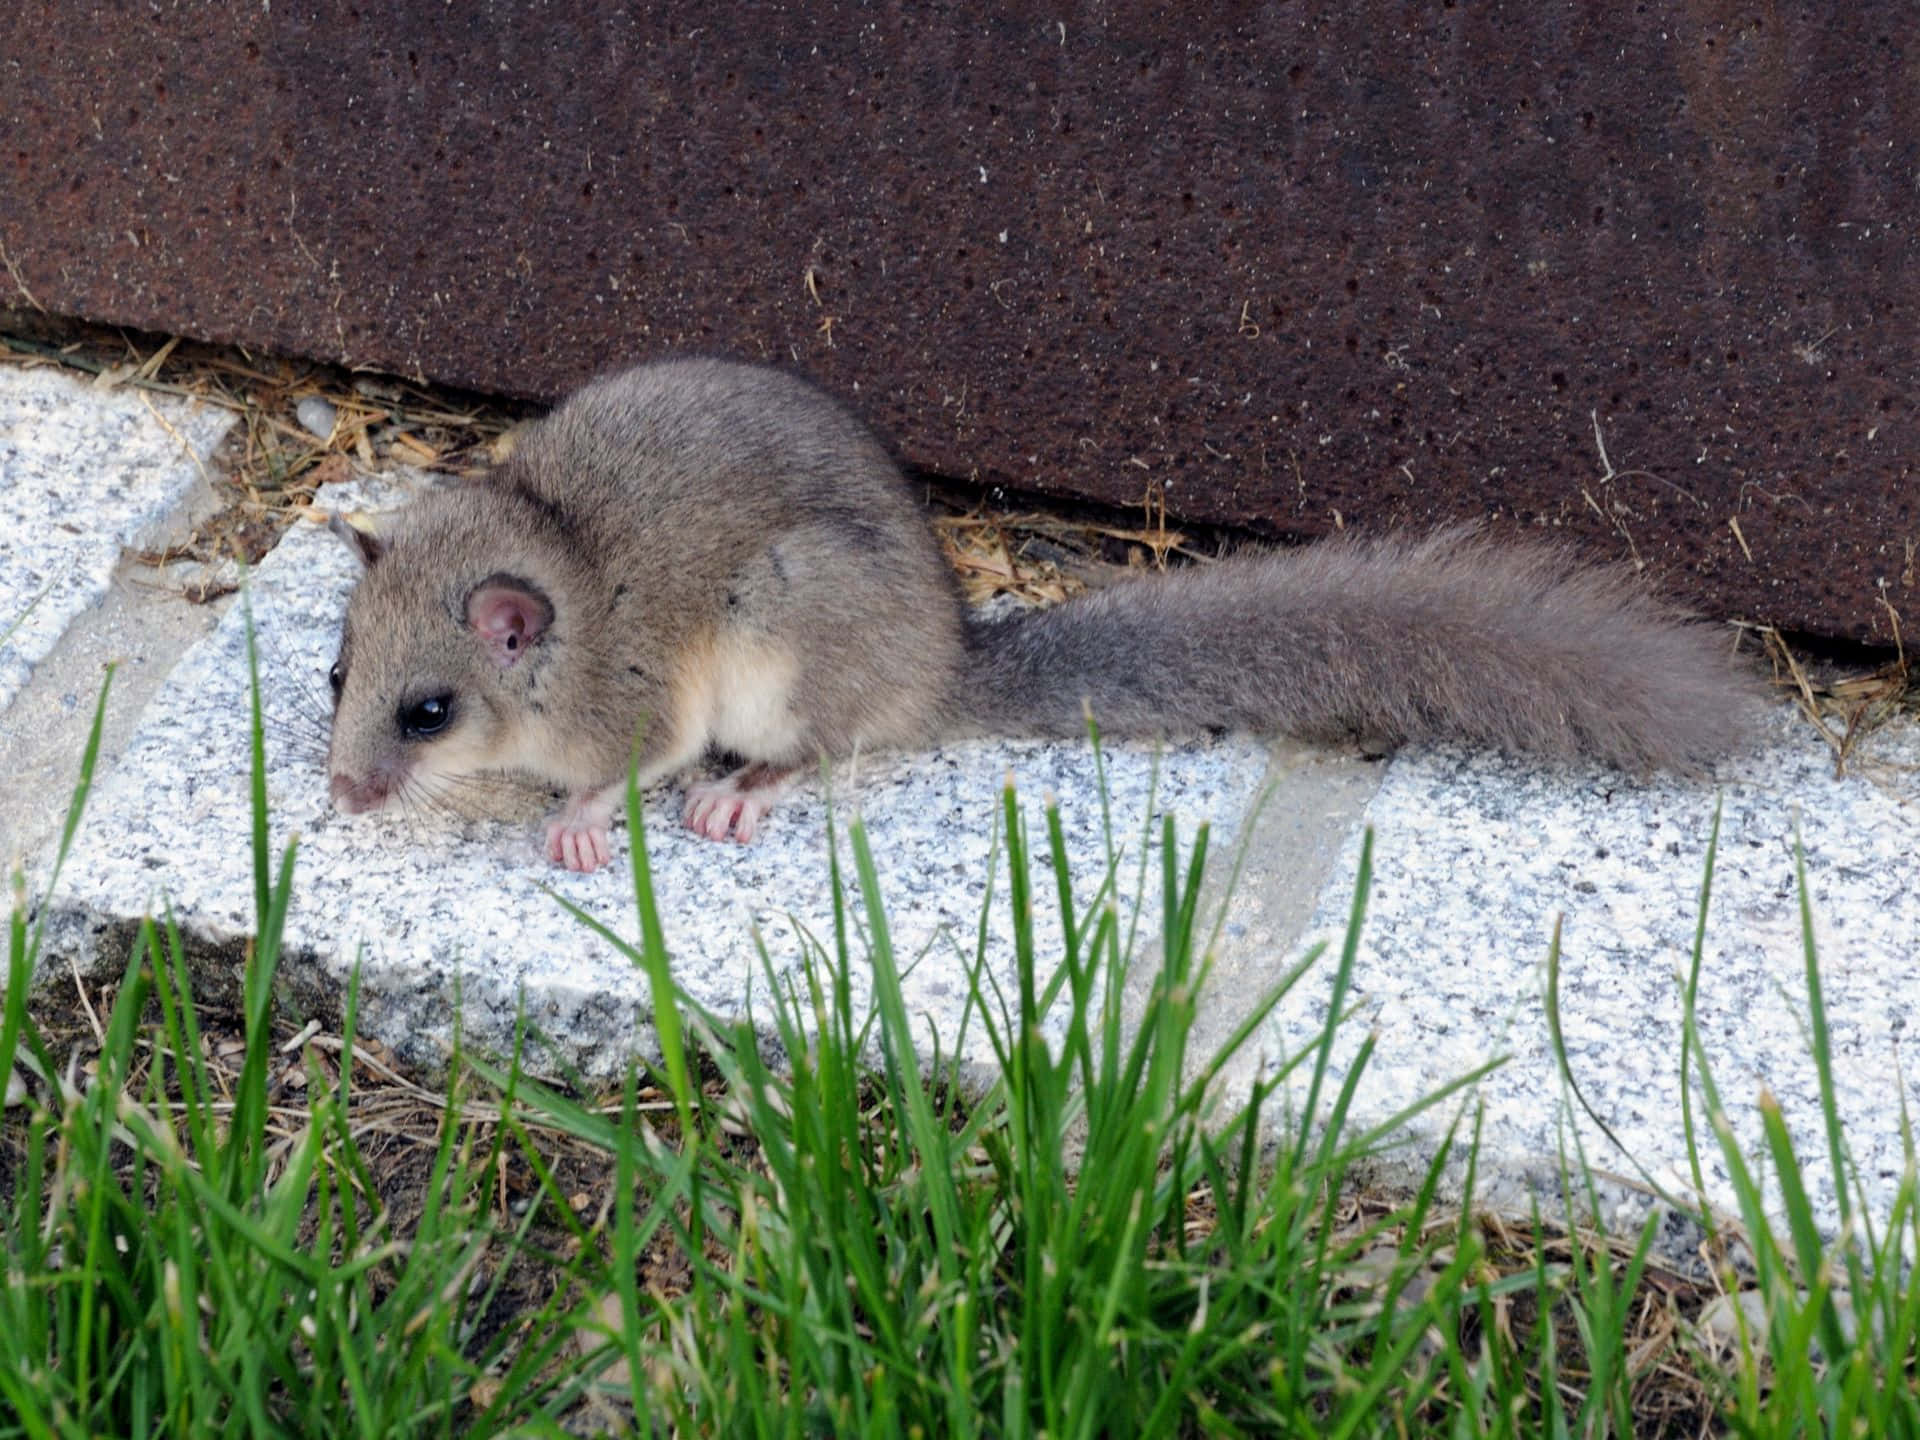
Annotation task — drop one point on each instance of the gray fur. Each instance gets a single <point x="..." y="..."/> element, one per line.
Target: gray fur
<point x="658" y="509"/>
<point x="701" y="529"/>
<point x="1516" y="647"/>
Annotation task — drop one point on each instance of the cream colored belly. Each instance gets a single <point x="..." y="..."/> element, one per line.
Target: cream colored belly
<point x="748" y="693"/>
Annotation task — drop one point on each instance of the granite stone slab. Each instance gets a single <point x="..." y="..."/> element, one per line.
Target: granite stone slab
<point x="434" y="905"/>
<point x="1476" y="857"/>
<point x="84" y="472"/>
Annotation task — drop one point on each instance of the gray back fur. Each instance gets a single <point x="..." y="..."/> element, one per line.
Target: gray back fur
<point x="659" y="508"/>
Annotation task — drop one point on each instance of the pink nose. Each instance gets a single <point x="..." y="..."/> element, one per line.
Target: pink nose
<point x="355" y="796"/>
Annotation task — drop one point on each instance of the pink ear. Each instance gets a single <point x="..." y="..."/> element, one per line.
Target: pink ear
<point x="510" y="615"/>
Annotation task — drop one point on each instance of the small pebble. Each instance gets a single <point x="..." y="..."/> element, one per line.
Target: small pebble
<point x="316" y="416"/>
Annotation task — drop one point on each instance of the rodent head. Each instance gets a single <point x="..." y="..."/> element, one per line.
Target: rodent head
<point x="433" y="675"/>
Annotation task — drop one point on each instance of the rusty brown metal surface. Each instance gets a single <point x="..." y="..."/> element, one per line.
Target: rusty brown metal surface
<point x="1641" y="275"/>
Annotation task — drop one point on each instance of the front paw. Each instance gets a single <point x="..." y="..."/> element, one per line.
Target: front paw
<point x="579" y="836"/>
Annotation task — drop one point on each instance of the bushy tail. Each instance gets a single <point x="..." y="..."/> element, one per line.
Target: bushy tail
<point x="1454" y="636"/>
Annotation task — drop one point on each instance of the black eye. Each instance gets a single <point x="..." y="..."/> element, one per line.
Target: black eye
<point x="337" y="678"/>
<point x="426" y="717"/>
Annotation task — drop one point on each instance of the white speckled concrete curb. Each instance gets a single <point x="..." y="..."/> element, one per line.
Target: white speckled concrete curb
<point x="84" y="472"/>
<point x="1475" y="856"/>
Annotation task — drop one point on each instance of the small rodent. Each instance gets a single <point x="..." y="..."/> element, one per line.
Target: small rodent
<point x="719" y="557"/>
